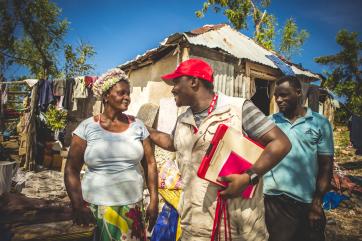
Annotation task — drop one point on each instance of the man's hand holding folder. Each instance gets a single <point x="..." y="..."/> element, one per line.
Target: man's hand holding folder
<point x="227" y="160"/>
<point x="236" y="184"/>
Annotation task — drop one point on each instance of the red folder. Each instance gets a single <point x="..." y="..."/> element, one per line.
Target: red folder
<point x="230" y="152"/>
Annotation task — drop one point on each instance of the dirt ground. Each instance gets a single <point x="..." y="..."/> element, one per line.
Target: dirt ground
<point x="345" y="222"/>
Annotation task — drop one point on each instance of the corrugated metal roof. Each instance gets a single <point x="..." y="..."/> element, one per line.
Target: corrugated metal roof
<point x="222" y="36"/>
<point x="207" y="28"/>
<point x="139" y="57"/>
<point x="238" y="45"/>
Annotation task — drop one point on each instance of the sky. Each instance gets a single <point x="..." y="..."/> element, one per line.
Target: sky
<point x="120" y="30"/>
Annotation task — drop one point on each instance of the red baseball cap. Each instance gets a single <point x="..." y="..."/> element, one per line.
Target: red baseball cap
<point x="192" y="67"/>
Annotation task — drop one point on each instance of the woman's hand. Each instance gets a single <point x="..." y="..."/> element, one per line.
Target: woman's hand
<point x="152" y="213"/>
<point x="150" y="167"/>
<point x="83" y="216"/>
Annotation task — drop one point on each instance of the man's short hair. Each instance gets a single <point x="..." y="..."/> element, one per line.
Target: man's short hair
<point x="208" y="85"/>
<point x="292" y="80"/>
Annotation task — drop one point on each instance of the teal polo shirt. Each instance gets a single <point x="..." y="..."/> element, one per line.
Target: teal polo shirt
<point x="296" y="175"/>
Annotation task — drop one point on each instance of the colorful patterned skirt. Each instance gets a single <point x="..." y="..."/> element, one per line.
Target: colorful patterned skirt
<point x="120" y="223"/>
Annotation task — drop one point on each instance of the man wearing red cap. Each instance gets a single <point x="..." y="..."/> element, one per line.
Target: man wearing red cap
<point x="193" y="86"/>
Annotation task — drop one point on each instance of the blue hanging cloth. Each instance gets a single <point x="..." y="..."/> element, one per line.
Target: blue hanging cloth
<point x="332" y="200"/>
<point x="166" y="224"/>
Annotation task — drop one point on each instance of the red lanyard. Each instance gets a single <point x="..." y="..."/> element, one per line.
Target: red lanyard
<point x="221" y="211"/>
<point x="212" y="104"/>
<point x="211" y="108"/>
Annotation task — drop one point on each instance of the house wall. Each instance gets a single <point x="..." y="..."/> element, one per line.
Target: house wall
<point x="147" y="85"/>
<point x="223" y="75"/>
<point x="233" y="77"/>
<point x="153" y="72"/>
<point x="236" y="77"/>
<point x="229" y="72"/>
<point x="229" y="77"/>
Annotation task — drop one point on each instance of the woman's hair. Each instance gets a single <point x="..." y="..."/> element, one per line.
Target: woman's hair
<point x="106" y="81"/>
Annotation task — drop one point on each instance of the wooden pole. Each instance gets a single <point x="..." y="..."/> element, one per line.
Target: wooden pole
<point x="31" y="132"/>
<point x="12" y="82"/>
<point x="18" y="92"/>
<point x="2" y="117"/>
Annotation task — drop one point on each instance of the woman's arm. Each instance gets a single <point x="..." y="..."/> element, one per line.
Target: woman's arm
<point x="149" y="165"/>
<point x="82" y="214"/>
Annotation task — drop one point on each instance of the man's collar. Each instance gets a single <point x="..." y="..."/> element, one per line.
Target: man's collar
<point x="224" y="103"/>
<point x="222" y="106"/>
<point x="308" y="114"/>
<point x="188" y="117"/>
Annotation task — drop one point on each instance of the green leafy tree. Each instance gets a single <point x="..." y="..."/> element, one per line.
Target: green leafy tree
<point x="239" y="12"/>
<point x="7" y="27"/>
<point x="76" y="60"/>
<point x="344" y="77"/>
<point x="292" y="39"/>
<point x="266" y="32"/>
<point x="42" y="36"/>
<point x="32" y="35"/>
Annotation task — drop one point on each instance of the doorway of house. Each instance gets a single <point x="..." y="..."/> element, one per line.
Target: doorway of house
<point x="261" y="97"/>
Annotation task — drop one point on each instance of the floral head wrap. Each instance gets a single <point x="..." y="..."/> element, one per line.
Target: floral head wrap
<point x="107" y="80"/>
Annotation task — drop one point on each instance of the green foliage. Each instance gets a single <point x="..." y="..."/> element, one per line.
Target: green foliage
<point x="32" y="35"/>
<point x="76" y="60"/>
<point x="42" y="35"/>
<point x="341" y="116"/>
<point x="292" y="39"/>
<point x="55" y="119"/>
<point x="266" y="34"/>
<point x="345" y="77"/>
<point x="7" y="27"/>
<point x="240" y="11"/>
<point x="237" y="11"/>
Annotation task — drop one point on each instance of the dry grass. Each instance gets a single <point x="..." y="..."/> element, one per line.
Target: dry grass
<point x="345" y="222"/>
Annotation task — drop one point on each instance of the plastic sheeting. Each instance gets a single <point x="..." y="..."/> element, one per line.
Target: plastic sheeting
<point x="166" y="225"/>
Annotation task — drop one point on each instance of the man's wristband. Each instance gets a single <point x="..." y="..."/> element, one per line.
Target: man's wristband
<point x="253" y="177"/>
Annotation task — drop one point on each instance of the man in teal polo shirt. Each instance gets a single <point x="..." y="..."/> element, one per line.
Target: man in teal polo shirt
<point x="294" y="188"/>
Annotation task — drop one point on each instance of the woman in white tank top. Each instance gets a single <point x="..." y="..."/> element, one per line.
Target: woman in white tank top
<point x="112" y="145"/>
